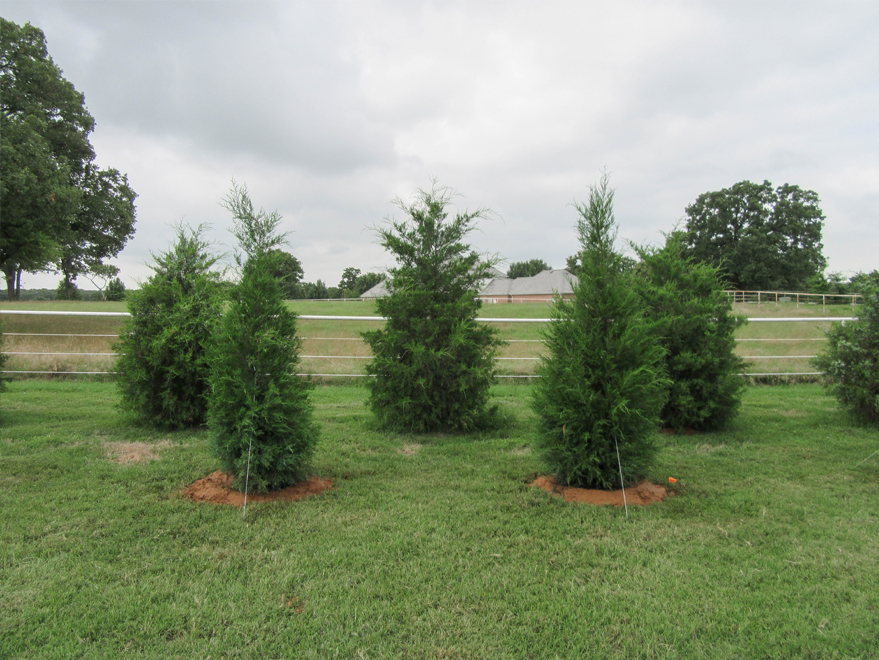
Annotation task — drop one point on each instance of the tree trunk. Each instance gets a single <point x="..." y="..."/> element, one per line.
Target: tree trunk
<point x="9" y="273"/>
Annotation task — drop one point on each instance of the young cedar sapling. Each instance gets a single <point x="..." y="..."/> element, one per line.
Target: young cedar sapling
<point x="602" y="383"/>
<point x="260" y="413"/>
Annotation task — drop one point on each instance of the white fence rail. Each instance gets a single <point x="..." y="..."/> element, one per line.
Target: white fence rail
<point x="793" y="297"/>
<point x="362" y="357"/>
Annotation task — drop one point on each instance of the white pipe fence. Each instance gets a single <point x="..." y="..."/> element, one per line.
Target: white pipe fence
<point x="381" y="319"/>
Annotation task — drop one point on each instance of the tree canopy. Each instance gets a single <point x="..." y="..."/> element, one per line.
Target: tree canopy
<point x="433" y="362"/>
<point x="287" y="270"/>
<point x="762" y="238"/>
<point x="527" y="268"/>
<point x="60" y="212"/>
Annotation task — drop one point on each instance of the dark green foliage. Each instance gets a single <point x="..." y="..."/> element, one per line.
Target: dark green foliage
<point x="313" y="291"/>
<point x="59" y="210"/>
<point x="603" y="384"/>
<point x="763" y="239"/>
<point x="115" y="290"/>
<point x="354" y="283"/>
<point x="851" y="362"/>
<point x="693" y="319"/>
<point x="527" y="268"/>
<point x="366" y="281"/>
<point x="162" y="364"/>
<point x="67" y="290"/>
<point x="349" y="279"/>
<point x="259" y="408"/>
<point x="836" y="283"/>
<point x="574" y="265"/>
<point x="287" y="269"/>
<point x="433" y="362"/>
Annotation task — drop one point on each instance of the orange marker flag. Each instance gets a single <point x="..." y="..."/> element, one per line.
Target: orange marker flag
<point x="672" y="480"/>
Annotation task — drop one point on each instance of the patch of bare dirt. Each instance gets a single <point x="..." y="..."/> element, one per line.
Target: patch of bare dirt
<point x="641" y="495"/>
<point x="134" y="452"/>
<point x="217" y="488"/>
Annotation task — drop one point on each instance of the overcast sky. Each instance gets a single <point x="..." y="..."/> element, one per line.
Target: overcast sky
<point x="327" y="111"/>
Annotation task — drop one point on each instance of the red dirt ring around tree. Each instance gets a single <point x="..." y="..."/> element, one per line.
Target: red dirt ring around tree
<point x="643" y="494"/>
<point x="217" y="488"/>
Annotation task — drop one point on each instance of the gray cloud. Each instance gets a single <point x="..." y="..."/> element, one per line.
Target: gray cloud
<point x="329" y="110"/>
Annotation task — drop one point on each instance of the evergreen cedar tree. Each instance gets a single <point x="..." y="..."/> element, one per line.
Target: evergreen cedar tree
<point x="260" y="414"/>
<point x="684" y="300"/>
<point x="433" y="363"/>
<point x="851" y="361"/>
<point x="162" y="350"/>
<point x="602" y="383"/>
<point x="60" y="212"/>
<point x="763" y="239"/>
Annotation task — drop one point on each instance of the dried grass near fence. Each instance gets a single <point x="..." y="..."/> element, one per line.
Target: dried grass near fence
<point x="338" y="349"/>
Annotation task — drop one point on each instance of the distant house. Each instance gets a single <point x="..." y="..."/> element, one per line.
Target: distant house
<point x="543" y="286"/>
<point x="501" y="289"/>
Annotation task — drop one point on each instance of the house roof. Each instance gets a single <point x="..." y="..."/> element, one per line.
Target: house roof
<point x="549" y="282"/>
<point x="380" y="290"/>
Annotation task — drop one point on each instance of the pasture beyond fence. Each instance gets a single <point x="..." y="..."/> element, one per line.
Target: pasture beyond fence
<point x="54" y="343"/>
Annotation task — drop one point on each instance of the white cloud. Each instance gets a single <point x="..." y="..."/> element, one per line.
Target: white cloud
<point x="329" y="110"/>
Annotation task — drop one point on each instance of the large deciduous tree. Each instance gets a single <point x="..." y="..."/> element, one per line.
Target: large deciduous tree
<point x="527" y="268"/>
<point x="287" y="270"/>
<point x="101" y="227"/>
<point x="602" y="384"/>
<point x="762" y="238"/>
<point x="433" y="362"/>
<point x="60" y="212"/>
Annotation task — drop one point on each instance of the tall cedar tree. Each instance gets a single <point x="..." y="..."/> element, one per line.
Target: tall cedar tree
<point x="433" y="362"/>
<point x="260" y="411"/>
<point x="162" y="363"/>
<point x="603" y="383"/>
<point x="692" y="317"/>
<point x="851" y="361"/>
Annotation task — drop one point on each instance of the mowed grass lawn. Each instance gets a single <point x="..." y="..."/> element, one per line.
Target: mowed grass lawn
<point x="435" y="546"/>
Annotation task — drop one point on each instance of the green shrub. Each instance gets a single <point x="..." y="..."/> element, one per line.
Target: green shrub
<point x="851" y="361"/>
<point x="162" y="363"/>
<point x="260" y="411"/>
<point x="115" y="290"/>
<point x="67" y="290"/>
<point x="602" y="384"/>
<point x="433" y="362"/>
<point x="692" y="317"/>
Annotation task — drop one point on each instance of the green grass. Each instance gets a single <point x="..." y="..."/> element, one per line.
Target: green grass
<point x="768" y="550"/>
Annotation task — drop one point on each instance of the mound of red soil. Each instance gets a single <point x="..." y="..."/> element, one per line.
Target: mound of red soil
<point x="643" y="494"/>
<point x="217" y="488"/>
